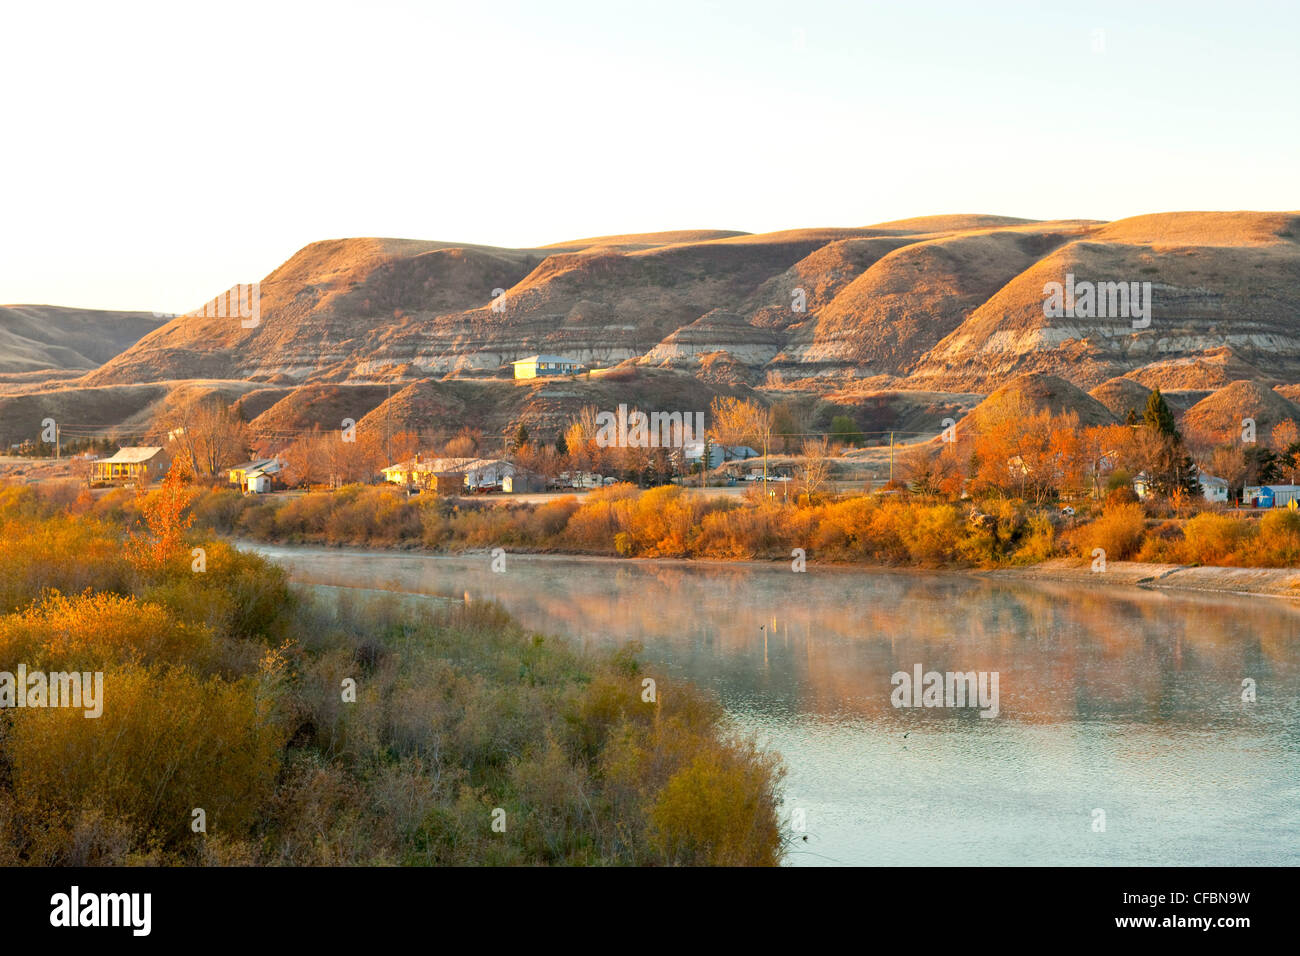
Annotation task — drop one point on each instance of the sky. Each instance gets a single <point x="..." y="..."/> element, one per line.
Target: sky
<point x="154" y="154"/>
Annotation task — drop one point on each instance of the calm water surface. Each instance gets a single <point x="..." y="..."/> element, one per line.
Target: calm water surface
<point x="1115" y="699"/>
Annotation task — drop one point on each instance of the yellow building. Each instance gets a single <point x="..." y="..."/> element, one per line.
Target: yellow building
<point x="256" y="476"/>
<point x="536" y="366"/>
<point x="133" y="463"/>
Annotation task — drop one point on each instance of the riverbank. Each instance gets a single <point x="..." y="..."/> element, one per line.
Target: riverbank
<point x="1274" y="582"/>
<point x="325" y="727"/>
<point x="1125" y="691"/>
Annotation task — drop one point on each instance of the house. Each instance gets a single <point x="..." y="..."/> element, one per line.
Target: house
<point x="450" y="475"/>
<point x="536" y="366"/>
<point x="421" y="472"/>
<point x="1213" y="489"/>
<point x="581" y="479"/>
<point x="134" y="463"/>
<point x="256" y="476"/>
<point x="693" y="451"/>
<point x="485" y="474"/>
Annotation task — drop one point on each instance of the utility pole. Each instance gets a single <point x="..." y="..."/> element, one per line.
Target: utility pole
<point x="891" y="458"/>
<point x="388" y="419"/>
<point x="56" y="441"/>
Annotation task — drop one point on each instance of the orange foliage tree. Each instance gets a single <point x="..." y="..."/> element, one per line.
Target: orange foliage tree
<point x="164" y="513"/>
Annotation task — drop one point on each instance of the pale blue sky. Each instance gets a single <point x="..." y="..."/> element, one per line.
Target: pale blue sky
<point x="154" y="154"/>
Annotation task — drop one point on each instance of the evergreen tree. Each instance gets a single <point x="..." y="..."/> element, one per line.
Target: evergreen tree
<point x="1263" y="467"/>
<point x="845" y="429"/>
<point x="1132" y="418"/>
<point x="1158" y="415"/>
<point x="1171" y="467"/>
<point x="1186" y="476"/>
<point x="520" y="438"/>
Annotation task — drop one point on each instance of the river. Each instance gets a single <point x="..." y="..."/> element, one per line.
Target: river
<point x="1121" y="735"/>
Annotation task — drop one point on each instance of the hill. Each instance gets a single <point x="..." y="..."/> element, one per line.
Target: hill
<point x="892" y="322"/>
<point x="1040" y="392"/>
<point x="41" y="338"/>
<point x="1221" y="415"/>
<point x="950" y="303"/>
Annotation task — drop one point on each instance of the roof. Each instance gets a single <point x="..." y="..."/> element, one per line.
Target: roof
<point x="470" y="465"/>
<point x="737" y="451"/>
<point x="132" y="455"/>
<point x="432" y="465"/>
<point x="548" y="359"/>
<point x="256" y="464"/>
<point x="477" y="464"/>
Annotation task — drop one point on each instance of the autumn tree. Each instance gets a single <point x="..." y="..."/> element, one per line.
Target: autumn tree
<point x="1164" y="456"/>
<point x="815" y="467"/>
<point x="164" y="514"/>
<point x="584" y="455"/>
<point x="1106" y="450"/>
<point x="736" y="421"/>
<point x="403" y="445"/>
<point x="465" y="444"/>
<point x="1229" y="463"/>
<point x="1026" y="451"/>
<point x="335" y="457"/>
<point x="1285" y="442"/>
<point x="210" y="435"/>
<point x="538" y="458"/>
<point x="789" y="423"/>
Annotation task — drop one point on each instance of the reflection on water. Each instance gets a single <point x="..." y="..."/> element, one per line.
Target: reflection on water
<point x="1118" y="699"/>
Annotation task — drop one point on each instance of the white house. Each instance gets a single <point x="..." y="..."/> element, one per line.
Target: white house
<point x="693" y="451"/>
<point x="479" y="474"/>
<point x="421" y="471"/>
<point x="1213" y="489"/>
<point x="484" y="473"/>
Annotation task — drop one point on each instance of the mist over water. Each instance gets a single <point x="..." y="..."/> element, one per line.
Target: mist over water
<point x="1111" y="698"/>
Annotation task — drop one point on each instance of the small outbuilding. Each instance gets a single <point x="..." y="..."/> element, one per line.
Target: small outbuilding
<point x="257" y="476"/>
<point x="522" y="480"/>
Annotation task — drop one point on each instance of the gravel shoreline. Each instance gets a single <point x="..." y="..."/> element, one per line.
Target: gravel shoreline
<point x="1275" y="582"/>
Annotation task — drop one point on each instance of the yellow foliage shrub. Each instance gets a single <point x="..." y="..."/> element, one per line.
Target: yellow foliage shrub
<point x="167" y="743"/>
<point x="1118" y="532"/>
<point x="98" y="631"/>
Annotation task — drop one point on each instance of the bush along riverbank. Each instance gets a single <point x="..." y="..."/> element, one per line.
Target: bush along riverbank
<point x="245" y="722"/>
<point x="896" y="530"/>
